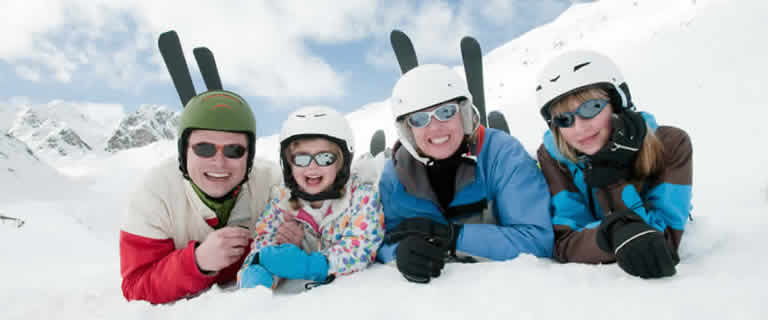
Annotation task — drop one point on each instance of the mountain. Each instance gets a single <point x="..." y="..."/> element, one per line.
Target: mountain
<point x="149" y="124"/>
<point x="65" y="129"/>
<point x="23" y="174"/>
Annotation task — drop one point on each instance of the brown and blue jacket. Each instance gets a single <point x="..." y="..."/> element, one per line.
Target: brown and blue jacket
<point x="663" y="201"/>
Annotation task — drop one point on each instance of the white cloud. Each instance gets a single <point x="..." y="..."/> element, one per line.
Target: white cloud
<point x="28" y="73"/>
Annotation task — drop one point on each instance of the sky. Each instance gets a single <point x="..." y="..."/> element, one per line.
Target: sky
<point x="280" y="55"/>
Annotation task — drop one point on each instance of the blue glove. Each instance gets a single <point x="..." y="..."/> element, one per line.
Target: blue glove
<point x="254" y="276"/>
<point x="290" y="262"/>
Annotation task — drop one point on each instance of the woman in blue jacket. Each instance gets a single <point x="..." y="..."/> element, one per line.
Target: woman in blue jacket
<point x="455" y="190"/>
<point x="620" y="184"/>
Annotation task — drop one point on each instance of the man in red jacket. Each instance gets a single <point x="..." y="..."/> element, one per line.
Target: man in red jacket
<point x="188" y="225"/>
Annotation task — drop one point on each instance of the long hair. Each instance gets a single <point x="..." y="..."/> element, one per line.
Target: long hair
<point x="650" y="158"/>
<point x="335" y="149"/>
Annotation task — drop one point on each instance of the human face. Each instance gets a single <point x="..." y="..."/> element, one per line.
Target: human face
<point x="216" y="175"/>
<point x="313" y="178"/>
<point x="587" y="135"/>
<point x="439" y="139"/>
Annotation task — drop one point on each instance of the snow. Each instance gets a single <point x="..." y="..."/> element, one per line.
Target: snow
<point x="694" y="64"/>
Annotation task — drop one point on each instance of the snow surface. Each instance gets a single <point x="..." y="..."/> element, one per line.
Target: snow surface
<point x="699" y="65"/>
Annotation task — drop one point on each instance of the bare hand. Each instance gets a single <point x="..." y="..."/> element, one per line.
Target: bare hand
<point x="221" y="248"/>
<point x="290" y="231"/>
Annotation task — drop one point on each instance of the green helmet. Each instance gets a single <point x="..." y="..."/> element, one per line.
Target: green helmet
<point x="219" y="110"/>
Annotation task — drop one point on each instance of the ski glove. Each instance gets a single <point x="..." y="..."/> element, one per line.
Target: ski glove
<point x="418" y="260"/>
<point x="640" y="249"/>
<point x="290" y="262"/>
<point x="423" y="247"/>
<point x="255" y="275"/>
<point x="615" y="160"/>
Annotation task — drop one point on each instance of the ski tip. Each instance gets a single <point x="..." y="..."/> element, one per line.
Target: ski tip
<point x="169" y="33"/>
<point x="202" y="50"/>
<point x="469" y="41"/>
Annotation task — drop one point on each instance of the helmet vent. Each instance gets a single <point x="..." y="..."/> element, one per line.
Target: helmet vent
<point x="555" y="79"/>
<point x="538" y="88"/>
<point x="320" y="115"/>
<point x="579" y="66"/>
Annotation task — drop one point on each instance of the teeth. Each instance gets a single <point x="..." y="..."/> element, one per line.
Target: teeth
<point x="217" y="175"/>
<point x="439" y="140"/>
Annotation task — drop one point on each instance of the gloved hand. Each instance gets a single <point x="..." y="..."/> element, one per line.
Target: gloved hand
<point x="255" y="275"/>
<point x="615" y="160"/>
<point x="419" y="260"/>
<point x="290" y="262"/>
<point x="640" y="249"/>
<point x="424" y="246"/>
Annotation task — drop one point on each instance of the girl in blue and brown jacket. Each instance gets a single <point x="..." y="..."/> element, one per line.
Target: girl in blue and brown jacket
<point x="620" y="184"/>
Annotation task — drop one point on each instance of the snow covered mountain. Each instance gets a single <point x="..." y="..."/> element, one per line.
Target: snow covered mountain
<point x="149" y="124"/>
<point x="65" y="129"/>
<point x="22" y="173"/>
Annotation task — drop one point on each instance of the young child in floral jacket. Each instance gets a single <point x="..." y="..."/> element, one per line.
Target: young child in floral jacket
<point x="326" y="220"/>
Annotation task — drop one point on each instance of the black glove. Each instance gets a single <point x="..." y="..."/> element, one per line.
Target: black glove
<point x="640" y="249"/>
<point x="418" y="260"/>
<point x="424" y="246"/>
<point x="615" y="160"/>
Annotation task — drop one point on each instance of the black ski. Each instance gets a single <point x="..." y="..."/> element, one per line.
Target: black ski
<point x="207" y="65"/>
<point x="406" y="55"/>
<point x="473" y="69"/>
<point x="378" y="142"/>
<point x="496" y="120"/>
<point x="170" y="49"/>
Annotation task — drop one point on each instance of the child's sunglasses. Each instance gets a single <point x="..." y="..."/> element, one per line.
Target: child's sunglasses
<point x="445" y="112"/>
<point x="587" y="110"/>
<point x="323" y="159"/>
<point x="207" y="150"/>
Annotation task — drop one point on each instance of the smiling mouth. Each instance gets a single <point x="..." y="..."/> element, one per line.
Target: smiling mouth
<point x="439" y="140"/>
<point x="313" y="180"/>
<point x="588" y="139"/>
<point x="217" y="176"/>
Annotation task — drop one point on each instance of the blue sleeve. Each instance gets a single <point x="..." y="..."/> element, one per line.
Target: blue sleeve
<point x="386" y="252"/>
<point x="521" y="204"/>
<point x="669" y="205"/>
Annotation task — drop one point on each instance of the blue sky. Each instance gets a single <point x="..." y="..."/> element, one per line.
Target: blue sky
<point x="279" y="55"/>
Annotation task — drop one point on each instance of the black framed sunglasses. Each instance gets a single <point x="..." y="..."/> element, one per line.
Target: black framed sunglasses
<point x="208" y="150"/>
<point x="587" y="110"/>
<point x="422" y="119"/>
<point x="323" y="159"/>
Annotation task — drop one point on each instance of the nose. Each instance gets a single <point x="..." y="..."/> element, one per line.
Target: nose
<point x="580" y="123"/>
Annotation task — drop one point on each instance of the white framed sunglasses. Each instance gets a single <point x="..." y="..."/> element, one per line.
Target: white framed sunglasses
<point x="322" y="159"/>
<point x="422" y="119"/>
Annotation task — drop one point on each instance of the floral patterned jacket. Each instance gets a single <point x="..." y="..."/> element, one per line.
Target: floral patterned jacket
<point x="348" y="234"/>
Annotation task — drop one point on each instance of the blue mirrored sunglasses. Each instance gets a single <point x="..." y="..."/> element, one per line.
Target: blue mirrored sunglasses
<point x="587" y="110"/>
<point x="445" y="112"/>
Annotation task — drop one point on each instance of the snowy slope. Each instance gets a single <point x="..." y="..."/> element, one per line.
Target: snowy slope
<point x="695" y="64"/>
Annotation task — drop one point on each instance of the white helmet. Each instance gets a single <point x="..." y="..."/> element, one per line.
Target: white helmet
<point x="321" y="122"/>
<point x="576" y="70"/>
<point x="423" y="87"/>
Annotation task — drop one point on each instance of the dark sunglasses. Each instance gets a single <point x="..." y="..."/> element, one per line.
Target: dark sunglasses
<point x="323" y="159"/>
<point x="587" y="110"/>
<point x="207" y="150"/>
<point x="445" y="112"/>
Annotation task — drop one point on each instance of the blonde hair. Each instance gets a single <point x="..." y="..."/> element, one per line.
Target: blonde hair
<point x="650" y="158"/>
<point x="291" y="148"/>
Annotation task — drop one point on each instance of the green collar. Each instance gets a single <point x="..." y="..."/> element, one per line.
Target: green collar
<point x="221" y="206"/>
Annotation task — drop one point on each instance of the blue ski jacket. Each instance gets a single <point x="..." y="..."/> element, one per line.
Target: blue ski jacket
<point x="502" y="196"/>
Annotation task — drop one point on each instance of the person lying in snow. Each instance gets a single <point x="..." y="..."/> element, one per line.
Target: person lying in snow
<point x="455" y="190"/>
<point x="326" y="220"/>
<point x="620" y="183"/>
<point x="182" y="230"/>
